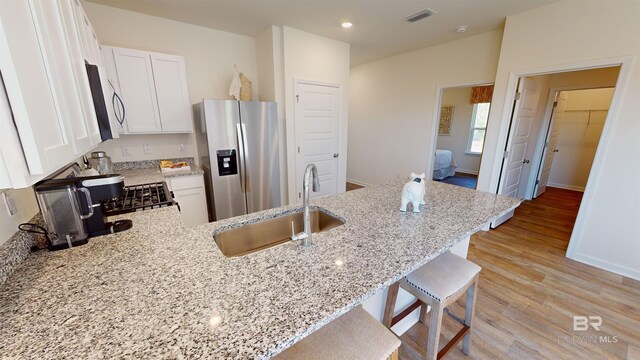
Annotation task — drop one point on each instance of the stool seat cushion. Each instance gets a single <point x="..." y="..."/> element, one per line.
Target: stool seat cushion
<point x="443" y="276"/>
<point x="354" y="335"/>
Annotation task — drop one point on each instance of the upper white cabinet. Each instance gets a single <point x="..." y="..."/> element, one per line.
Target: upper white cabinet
<point x="171" y="90"/>
<point x="137" y="90"/>
<point x="152" y="93"/>
<point x="49" y="117"/>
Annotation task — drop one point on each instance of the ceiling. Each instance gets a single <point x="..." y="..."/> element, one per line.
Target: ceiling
<point x="379" y="27"/>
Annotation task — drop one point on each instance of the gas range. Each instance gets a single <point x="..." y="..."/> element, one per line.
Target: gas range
<point x="140" y="197"/>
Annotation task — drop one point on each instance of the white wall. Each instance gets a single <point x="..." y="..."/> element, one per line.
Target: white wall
<point x="312" y="57"/>
<point x="579" y="132"/>
<point x="392" y="116"/>
<point x="209" y="55"/>
<point x="27" y="206"/>
<point x="583" y="33"/>
<point x="457" y="141"/>
<point x="269" y="57"/>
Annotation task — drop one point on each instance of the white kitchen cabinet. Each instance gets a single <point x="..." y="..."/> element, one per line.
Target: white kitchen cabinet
<point x="189" y="192"/>
<point x="173" y="95"/>
<point x="152" y="88"/>
<point x="51" y="118"/>
<point x="138" y="90"/>
<point x="38" y="114"/>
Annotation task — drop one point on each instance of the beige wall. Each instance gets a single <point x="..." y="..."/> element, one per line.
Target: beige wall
<point x="27" y="206"/>
<point x="583" y="33"/>
<point x="393" y="104"/>
<point x="458" y="140"/>
<point x="315" y="58"/>
<point x="579" y="133"/>
<point x="209" y="55"/>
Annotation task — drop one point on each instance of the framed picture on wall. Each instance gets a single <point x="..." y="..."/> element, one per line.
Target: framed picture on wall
<point x="446" y="118"/>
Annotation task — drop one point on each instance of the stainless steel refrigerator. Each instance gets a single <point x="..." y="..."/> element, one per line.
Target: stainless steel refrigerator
<point x="239" y="152"/>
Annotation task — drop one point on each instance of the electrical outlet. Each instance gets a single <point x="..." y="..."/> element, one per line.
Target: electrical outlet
<point x="10" y="204"/>
<point x="181" y="148"/>
<point x="125" y="151"/>
<point x="146" y="148"/>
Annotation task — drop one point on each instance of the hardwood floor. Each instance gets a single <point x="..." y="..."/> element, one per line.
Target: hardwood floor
<point x="529" y="292"/>
<point x="352" y="186"/>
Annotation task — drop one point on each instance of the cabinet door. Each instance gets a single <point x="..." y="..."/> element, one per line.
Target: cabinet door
<point x="75" y="39"/>
<point x="170" y="78"/>
<point x="193" y="206"/>
<point x="117" y="115"/>
<point x="137" y="90"/>
<point x="39" y="119"/>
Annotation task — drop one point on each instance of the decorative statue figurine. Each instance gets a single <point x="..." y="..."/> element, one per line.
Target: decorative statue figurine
<point x="413" y="192"/>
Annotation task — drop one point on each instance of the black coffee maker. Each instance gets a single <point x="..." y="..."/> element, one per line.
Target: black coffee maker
<point x="102" y="188"/>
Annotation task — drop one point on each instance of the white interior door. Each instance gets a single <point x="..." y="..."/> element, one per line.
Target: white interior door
<point x="317" y="115"/>
<point x="516" y="166"/>
<point x="551" y="143"/>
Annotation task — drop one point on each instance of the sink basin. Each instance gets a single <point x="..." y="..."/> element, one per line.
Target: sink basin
<point x="267" y="233"/>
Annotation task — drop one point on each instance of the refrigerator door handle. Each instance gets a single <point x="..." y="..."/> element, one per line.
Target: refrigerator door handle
<point x="241" y="155"/>
<point x="245" y="160"/>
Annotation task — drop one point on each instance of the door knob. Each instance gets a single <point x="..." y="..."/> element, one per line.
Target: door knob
<point x="336" y="155"/>
<point x="525" y="161"/>
<point x="555" y="150"/>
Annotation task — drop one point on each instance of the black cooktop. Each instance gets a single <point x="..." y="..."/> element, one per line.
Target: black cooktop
<point x="140" y="197"/>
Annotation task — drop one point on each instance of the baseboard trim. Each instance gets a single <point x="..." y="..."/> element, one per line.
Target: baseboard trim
<point x="471" y="172"/>
<point x="566" y="187"/>
<point x="361" y="183"/>
<point x="606" y="265"/>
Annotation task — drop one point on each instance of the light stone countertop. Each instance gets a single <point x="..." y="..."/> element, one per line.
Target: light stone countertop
<point x="154" y="174"/>
<point x="160" y="290"/>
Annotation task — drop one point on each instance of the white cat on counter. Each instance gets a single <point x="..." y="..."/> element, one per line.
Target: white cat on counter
<point x="413" y="192"/>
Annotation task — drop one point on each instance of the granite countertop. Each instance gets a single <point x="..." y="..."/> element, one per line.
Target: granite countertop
<point x="136" y="176"/>
<point x="160" y="290"/>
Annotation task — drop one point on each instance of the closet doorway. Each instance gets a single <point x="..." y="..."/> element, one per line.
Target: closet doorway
<point x="554" y="133"/>
<point x="461" y="129"/>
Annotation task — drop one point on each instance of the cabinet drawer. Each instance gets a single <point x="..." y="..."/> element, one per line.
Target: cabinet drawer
<point x="186" y="182"/>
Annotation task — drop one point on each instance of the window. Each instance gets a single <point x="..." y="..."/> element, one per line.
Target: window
<point x="478" y="128"/>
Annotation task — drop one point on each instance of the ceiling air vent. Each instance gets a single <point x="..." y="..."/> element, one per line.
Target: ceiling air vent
<point x="420" y="15"/>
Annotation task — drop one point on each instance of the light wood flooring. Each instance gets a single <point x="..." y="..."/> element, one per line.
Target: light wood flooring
<point x="352" y="186"/>
<point x="529" y="292"/>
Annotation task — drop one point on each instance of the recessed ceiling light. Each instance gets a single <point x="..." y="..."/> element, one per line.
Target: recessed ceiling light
<point x="347" y="25"/>
<point x="461" y="28"/>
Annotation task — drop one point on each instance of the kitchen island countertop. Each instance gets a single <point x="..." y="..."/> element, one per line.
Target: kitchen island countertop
<point x="161" y="290"/>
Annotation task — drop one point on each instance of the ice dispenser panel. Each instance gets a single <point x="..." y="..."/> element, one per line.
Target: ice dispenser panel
<point x="227" y="162"/>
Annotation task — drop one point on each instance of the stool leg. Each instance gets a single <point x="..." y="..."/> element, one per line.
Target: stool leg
<point x="434" y="330"/>
<point x="392" y="295"/>
<point x="423" y="313"/>
<point x="469" y="311"/>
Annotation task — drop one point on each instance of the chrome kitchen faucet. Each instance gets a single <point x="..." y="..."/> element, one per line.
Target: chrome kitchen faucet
<point x="311" y="173"/>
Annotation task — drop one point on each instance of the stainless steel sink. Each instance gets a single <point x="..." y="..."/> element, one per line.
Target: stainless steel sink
<point x="267" y="233"/>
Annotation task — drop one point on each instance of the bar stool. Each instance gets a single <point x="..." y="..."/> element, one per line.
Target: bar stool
<point x="438" y="284"/>
<point x="354" y="335"/>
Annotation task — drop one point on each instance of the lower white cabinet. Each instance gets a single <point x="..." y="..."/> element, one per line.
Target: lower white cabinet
<point x="189" y="192"/>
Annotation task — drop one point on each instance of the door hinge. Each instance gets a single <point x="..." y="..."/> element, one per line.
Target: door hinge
<point x="299" y="195"/>
<point x="537" y="182"/>
<point x="518" y="96"/>
<point x="546" y="144"/>
<point x="555" y="103"/>
<point x="297" y="98"/>
<point x="505" y="155"/>
<point x="298" y="149"/>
